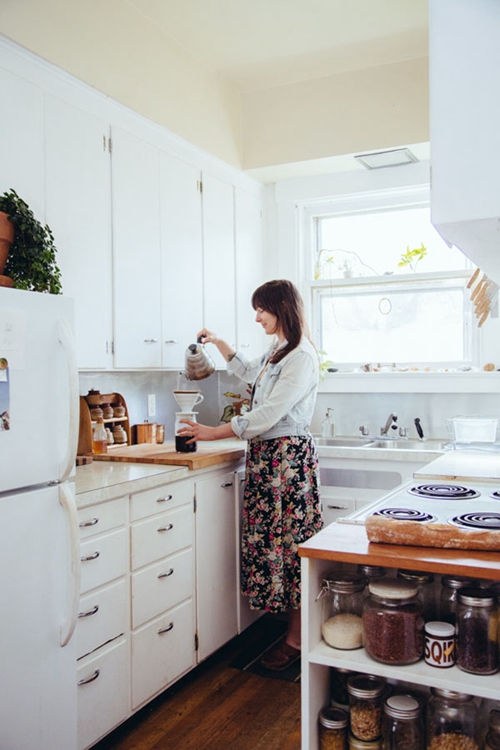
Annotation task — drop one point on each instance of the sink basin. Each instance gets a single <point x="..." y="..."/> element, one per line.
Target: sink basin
<point x="409" y="445"/>
<point x="343" y="442"/>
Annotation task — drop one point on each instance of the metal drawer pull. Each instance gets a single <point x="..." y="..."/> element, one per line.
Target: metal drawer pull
<point x="92" y="677"/>
<point x="171" y="341"/>
<point x="227" y="484"/>
<point x="167" y="574"/>
<point x="165" y="630"/>
<point x="89" y="612"/>
<point x="93" y="556"/>
<point x="93" y="522"/>
<point x="150" y="341"/>
<point x="164" y="499"/>
<point x="337" y="507"/>
<point x="166" y="528"/>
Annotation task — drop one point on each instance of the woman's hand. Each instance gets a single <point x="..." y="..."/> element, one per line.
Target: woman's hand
<point x="207" y="337"/>
<point x="196" y="431"/>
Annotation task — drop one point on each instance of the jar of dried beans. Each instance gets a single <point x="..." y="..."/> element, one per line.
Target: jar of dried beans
<point x="402" y="725"/>
<point x="451" y="721"/>
<point x="333" y="729"/>
<point x="393" y="623"/>
<point x="450" y="586"/>
<point x="342" y="594"/>
<point x="477" y="631"/>
<point x="365" y="706"/>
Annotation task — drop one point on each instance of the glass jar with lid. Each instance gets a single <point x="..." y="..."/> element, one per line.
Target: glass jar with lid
<point x="338" y="686"/>
<point x="393" y="623"/>
<point x="333" y="728"/>
<point x="450" y="586"/>
<point x="477" y="631"/>
<point x="426" y="590"/>
<point x="402" y="725"/>
<point x="451" y="721"/>
<point x="354" y="744"/>
<point x="371" y="571"/>
<point x="493" y="736"/>
<point x="342" y="594"/>
<point x="366" y="694"/>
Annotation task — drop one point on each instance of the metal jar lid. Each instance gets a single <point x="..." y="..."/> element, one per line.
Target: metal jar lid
<point x="476" y="597"/>
<point x="333" y="718"/>
<point x="402" y="707"/>
<point x="456" y="583"/>
<point x="452" y="695"/>
<point x="343" y="582"/>
<point x="355" y="744"/>
<point x="439" y="629"/>
<point x="371" y="571"/>
<point x="415" y="575"/>
<point x="365" y="686"/>
<point x="393" y="588"/>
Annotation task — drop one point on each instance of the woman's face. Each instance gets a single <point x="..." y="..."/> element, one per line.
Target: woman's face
<point x="268" y="321"/>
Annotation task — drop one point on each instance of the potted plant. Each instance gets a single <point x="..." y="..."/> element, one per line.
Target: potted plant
<point x="31" y="262"/>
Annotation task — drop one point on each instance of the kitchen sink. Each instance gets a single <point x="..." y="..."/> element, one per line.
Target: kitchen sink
<point x="343" y="442"/>
<point x="409" y="445"/>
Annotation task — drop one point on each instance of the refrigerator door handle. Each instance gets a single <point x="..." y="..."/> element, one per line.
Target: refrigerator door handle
<point x="67" y="500"/>
<point x="67" y="340"/>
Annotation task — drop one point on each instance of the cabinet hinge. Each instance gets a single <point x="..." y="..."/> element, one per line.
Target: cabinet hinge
<point x="110" y="145"/>
<point x="194" y="504"/>
<point x="112" y="347"/>
<point x="196" y="642"/>
<point x="104" y="143"/>
<point x="199" y="185"/>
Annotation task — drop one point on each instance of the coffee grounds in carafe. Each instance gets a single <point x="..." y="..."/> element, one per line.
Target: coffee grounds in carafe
<point x="182" y="446"/>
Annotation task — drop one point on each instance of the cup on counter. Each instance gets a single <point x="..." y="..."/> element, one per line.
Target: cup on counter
<point x="160" y="434"/>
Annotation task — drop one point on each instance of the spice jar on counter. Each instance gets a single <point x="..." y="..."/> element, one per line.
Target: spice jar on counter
<point x="477" y="631"/>
<point x="450" y="586"/>
<point x="393" y="623"/>
<point x="333" y="729"/>
<point x="493" y="737"/>
<point x="451" y="721"/>
<point x="365" y="703"/>
<point x="426" y="590"/>
<point x="402" y="725"/>
<point x="342" y="594"/>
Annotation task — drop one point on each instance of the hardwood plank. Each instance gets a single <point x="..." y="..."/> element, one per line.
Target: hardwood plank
<point x="166" y="454"/>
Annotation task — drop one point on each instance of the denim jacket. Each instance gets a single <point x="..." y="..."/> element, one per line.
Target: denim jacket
<point x="283" y="398"/>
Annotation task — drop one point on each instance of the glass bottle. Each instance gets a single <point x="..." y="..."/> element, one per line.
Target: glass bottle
<point x="493" y="736"/>
<point x="477" y="631"/>
<point x="402" y="725"/>
<point x="451" y="720"/>
<point x="365" y="706"/>
<point x="393" y="623"/>
<point x="342" y="594"/>
<point x="333" y="729"/>
<point x="450" y="586"/>
<point x="426" y="590"/>
<point x="99" y="439"/>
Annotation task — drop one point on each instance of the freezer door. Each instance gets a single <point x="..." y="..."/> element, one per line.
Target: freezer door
<point x="38" y="388"/>
<point x="38" y="676"/>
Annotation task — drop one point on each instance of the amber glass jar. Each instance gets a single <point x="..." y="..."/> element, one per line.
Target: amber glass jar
<point x="451" y="721"/>
<point x="332" y="729"/>
<point x="393" y="623"/>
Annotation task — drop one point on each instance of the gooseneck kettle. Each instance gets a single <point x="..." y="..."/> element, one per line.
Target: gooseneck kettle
<point x="199" y="364"/>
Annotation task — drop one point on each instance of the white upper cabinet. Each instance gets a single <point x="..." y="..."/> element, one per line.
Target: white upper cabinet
<point x="181" y="258"/>
<point x="78" y="210"/>
<point x="218" y="261"/>
<point x="464" y="125"/>
<point x="136" y="251"/>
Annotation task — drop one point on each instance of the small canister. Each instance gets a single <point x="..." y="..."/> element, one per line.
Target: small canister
<point x="160" y="434"/>
<point x="403" y="725"/>
<point x="439" y="644"/>
<point x="365" y="706"/>
<point x="477" y="631"/>
<point x="342" y="595"/>
<point x="333" y="729"/>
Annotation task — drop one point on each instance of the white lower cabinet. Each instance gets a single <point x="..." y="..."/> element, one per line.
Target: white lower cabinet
<point x="103" y="615"/>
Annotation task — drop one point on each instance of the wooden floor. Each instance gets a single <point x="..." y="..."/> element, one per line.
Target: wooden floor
<point x="216" y="707"/>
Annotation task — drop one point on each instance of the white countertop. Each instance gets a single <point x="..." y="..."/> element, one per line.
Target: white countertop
<point x="463" y="465"/>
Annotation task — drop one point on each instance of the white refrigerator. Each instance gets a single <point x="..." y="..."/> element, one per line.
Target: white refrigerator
<point x="39" y="544"/>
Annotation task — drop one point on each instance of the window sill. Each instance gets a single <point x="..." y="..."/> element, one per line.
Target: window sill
<point x="411" y="382"/>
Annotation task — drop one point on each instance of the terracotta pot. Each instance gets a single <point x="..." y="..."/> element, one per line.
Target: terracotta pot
<point x="7" y="231"/>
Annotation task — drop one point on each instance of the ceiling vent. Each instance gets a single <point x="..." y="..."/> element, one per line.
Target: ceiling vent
<point x="395" y="158"/>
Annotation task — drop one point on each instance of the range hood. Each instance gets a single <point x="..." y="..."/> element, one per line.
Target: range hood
<point x="464" y="57"/>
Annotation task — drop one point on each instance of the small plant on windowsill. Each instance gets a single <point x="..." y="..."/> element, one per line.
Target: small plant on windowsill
<point x="325" y="365"/>
<point x="413" y="257"/>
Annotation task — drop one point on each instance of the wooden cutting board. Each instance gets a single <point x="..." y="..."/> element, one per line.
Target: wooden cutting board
<point x="145" y="453"/>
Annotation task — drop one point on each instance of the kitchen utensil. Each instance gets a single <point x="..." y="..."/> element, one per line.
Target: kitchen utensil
<point x="146" y="432"/>
<point x="199" y="364"/>
<point x="187" y="400"/>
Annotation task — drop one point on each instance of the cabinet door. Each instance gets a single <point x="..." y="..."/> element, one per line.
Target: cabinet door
<point x="216" y="562"/>
<point x="246" y="616"/>
<point x="218" y="261"/>
<point x="249" y="271"/>
<point x="136" y="251"/>
<point x="78" y="201"/>
<point x="181" y="255"/>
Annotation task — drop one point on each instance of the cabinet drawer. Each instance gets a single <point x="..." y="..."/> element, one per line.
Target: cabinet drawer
<point x="161" y="536"/>
<point x="104" y="558"/>
<point x="161" y="586"/>
<point x="103" y="699"/>
<point x="160" y="499"/>
<point x="103" y="615"/>
<point x="162" y="651"/>
<point x="103" y="517"/>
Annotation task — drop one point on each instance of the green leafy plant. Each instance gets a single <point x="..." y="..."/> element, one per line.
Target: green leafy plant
<point x="31" y="263"/>
<point x="413" y="257"/>
<point x="324" y="365"/>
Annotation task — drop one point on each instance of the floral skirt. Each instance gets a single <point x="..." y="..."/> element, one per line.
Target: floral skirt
<point x="281" y="509"/>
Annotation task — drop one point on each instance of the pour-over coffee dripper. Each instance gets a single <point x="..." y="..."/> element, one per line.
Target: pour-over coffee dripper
<point x="187" y="399"/>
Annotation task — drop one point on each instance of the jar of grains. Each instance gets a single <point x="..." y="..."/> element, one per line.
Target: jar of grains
<point x="342" y="609"/>
<point x="477" y="631"/>
<point x="333" y="729"/>
<point x="450" y="586"/>
<point x="402" y="725"/>
<point x="365" y="706"/>
<point x="354" y="744"/>
<point x="426" y="590"/>
<point x="393" y="623"/>
<point x="493" y="736"/>
<point x="451" y="721"/>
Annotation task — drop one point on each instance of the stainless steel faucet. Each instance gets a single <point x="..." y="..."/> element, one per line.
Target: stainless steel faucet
<point x="390" y="424"/>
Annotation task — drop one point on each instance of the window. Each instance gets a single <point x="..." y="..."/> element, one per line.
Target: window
<point x="385" y="288"/>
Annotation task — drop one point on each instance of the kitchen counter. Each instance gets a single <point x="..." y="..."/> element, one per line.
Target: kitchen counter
<point x="463" y="465"/>
<point x="378" y="454"/>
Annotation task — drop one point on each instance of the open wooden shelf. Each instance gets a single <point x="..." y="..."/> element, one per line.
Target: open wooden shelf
<point x="87" y="425"/>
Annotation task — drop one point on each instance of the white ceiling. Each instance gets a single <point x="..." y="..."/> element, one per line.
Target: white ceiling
<point x="260" y="44"/>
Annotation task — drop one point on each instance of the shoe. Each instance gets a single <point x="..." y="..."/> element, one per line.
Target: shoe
<point x="280" y="657"/>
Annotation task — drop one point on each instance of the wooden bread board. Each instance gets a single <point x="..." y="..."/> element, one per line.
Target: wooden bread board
<point x="145" y="453"/>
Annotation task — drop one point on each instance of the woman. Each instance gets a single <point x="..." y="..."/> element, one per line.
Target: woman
<point x="281" y="506"/>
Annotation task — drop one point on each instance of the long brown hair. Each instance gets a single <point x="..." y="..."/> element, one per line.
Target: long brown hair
<point x="282" y="298"/>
